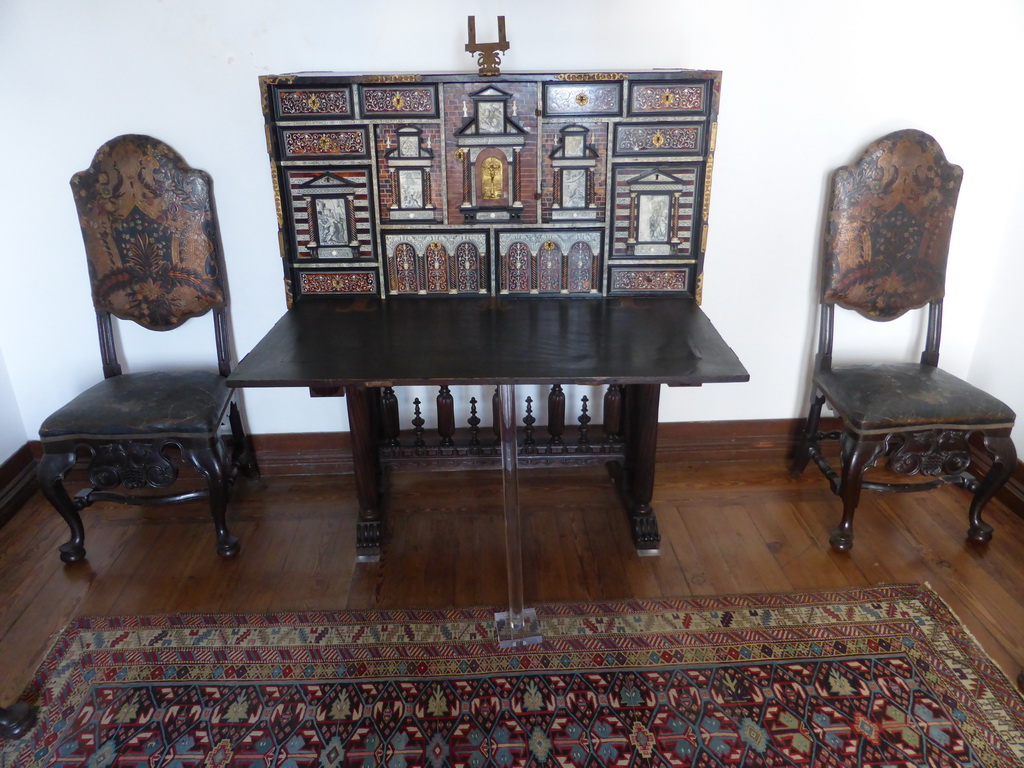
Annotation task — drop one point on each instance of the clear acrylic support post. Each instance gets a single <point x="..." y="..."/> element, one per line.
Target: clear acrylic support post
<point x="518" y="625"/>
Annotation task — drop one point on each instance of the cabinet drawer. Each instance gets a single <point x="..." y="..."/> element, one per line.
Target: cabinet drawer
<point x="581" y="99"/>
<point x="665" y="97"/>
<point x="398" y="101"/>
<point x="358" y="281"/>
<point x="650" y="280"/>
<point x="659" y="139"/>
<point x="313" y="103"/>
<point x="343" y="143"/>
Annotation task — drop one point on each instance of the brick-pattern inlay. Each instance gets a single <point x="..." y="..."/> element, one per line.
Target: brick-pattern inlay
<point x="625" y="211"/>
<point x="308" y="183"/>
<point x="598" y="139"/>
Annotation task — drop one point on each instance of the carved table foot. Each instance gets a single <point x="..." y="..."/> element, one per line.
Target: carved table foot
<point x="644" y="527"/>
<point x="17" y="720"/>
<point x="369" y="536"/>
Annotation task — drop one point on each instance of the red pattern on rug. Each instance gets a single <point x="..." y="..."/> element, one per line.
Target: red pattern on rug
<point x="876" y="676"/>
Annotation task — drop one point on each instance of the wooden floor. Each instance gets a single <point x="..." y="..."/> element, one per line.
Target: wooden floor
<point x="727" y="527"/>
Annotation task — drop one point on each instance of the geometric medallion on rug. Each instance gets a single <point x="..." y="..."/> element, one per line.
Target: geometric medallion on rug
<point x="879" y="676"/>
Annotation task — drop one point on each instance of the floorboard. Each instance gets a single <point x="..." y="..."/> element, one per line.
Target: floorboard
<point x="727" y="527"/>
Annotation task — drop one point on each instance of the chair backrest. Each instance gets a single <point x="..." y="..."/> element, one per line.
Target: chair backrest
<point x="150" y="233"/>
<point x="889" y="223"/>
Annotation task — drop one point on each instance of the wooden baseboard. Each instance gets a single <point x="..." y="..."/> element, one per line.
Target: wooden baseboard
<point x="308" y="453"/>
<point x="729" y="440"/>
<point x="330" y="453"/>
<point x="1012" y="494"/>
<point x="17" y="482"/>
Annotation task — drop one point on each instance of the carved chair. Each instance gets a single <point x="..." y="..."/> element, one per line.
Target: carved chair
<point x="886" y="244"/>
<point x="154" y="257"/>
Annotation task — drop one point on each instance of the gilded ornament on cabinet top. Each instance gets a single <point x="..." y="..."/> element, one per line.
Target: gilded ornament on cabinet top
<point x="592" y="76"/>
<point x="392" y="78"/>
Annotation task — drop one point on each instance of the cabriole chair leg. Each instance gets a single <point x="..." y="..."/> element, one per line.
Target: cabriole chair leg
<point x="1004" y="459"/>
<point x="209" y="462"/>
<point x="858" y="455"/>
<point x="50" y="474"/>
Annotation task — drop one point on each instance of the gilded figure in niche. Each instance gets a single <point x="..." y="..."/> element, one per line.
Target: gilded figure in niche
<point x="492" y="179"/>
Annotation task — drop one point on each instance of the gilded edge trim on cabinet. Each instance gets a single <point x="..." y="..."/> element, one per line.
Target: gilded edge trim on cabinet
<point x="265" y="82"/>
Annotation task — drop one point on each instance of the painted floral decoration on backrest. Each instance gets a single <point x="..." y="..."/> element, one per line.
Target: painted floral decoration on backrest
<point x="149" y="232"/>
<point x="889" y="227"/>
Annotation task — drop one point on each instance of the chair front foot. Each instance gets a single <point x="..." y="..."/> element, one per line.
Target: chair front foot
<point x="17" y="720"/>
<point x="980" y="532"/>
<point x="227" y="545"/>
<point x="72" y="551"/>
<point x="841" y="539"/>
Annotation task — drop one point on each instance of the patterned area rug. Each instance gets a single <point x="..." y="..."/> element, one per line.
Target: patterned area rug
<point x="883" y="676"/>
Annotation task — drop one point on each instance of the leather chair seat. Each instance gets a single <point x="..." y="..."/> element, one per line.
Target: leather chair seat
<point x="141" y="405"/>
<point x="903" y="397"/>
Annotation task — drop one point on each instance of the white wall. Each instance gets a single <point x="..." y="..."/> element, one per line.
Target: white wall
<point x="807" y="84"/>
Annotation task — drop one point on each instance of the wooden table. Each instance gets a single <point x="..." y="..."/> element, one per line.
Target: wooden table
<point x="354" y="346"/>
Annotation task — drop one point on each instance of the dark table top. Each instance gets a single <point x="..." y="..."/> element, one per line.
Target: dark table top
<point x="332" y="342"/>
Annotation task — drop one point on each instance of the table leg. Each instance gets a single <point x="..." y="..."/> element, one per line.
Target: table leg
<point x="641" y="452"/>
<point x="518" y="625"/>
<point x="366" y="463"/>
<point x="16" y="721"/>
